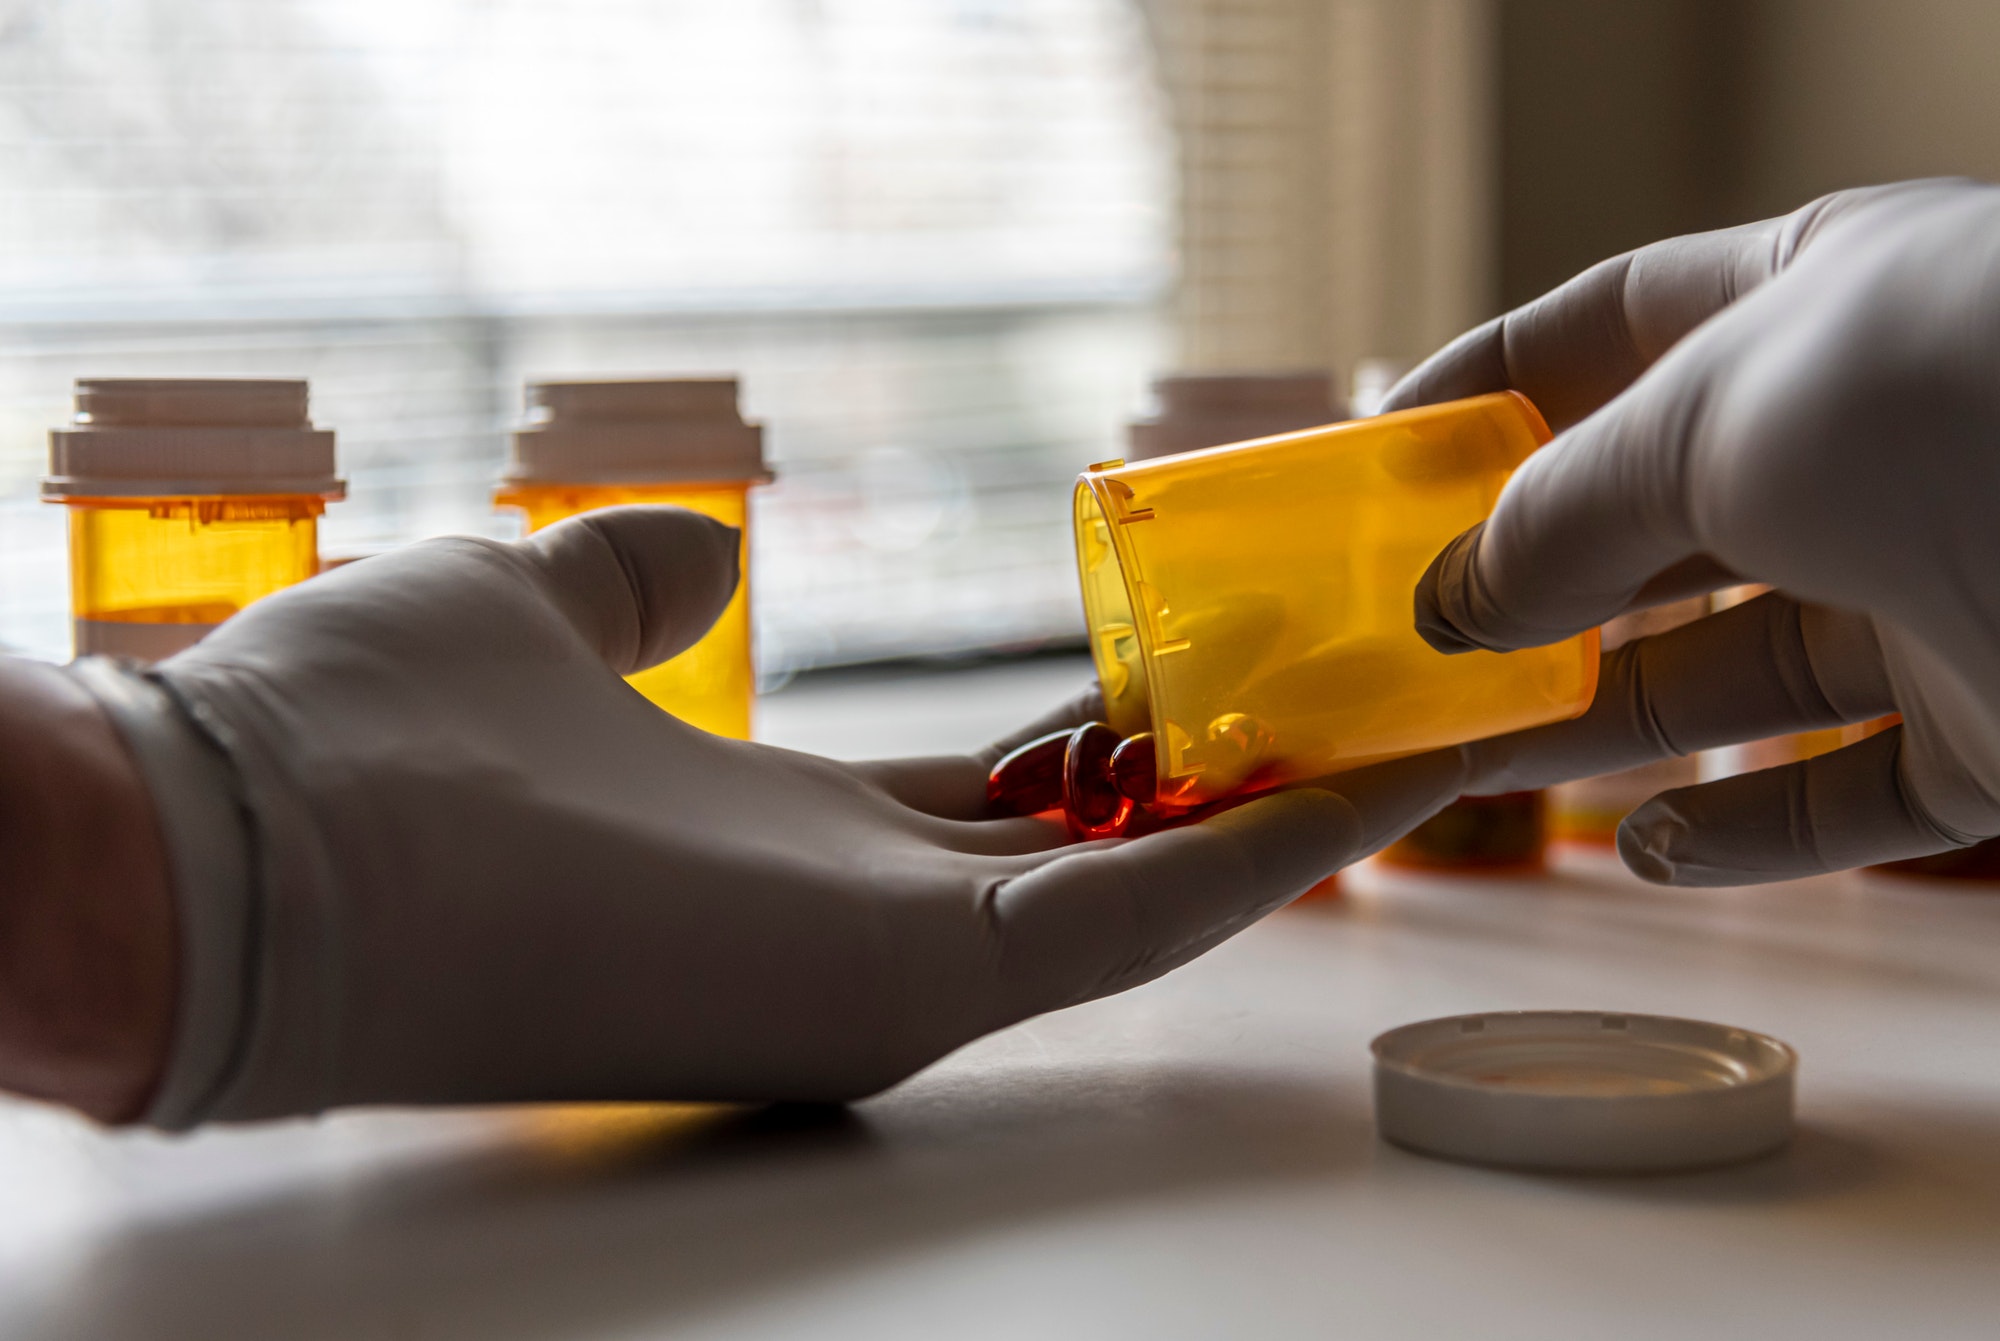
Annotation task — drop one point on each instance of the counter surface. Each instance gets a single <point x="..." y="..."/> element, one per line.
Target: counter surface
<point x="1193" y="1159"/>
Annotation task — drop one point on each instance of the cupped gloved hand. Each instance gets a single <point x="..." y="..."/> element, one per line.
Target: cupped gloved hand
<point x="1811" y="402"/>
<point x="427" y="847"/>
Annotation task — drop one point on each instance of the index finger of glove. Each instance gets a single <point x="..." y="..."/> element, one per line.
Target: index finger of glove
<point x="1575" y="348"/>
<point x="1108" y="917"/>
<point x="1583" y="527"/>
<point x="1852" y="807"/>
<point x="1763" y="668"/>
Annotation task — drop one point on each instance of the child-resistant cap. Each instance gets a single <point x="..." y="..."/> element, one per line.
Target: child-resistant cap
<point x="137" y="437"/>
<point x="662" y="430"/>
<point x="1583" y="1091"/>
<point x="1207" y="411"/>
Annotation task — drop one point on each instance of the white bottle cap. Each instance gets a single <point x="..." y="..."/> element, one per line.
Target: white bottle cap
<point x="1207" y="411"/>
<point x="1583" y="1091"/>
<point x="187" y="436"/>
<point x="678" y="430"/>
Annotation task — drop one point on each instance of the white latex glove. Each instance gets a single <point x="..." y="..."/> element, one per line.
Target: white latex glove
<point x="429" y="848"/>
<point x="1811" y="402"/>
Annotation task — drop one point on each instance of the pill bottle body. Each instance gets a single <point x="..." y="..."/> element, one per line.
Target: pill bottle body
<point x="1507" y="834"/>
<point x="1251" y="605"/>
<point x="712" y="684"/>
<point x="150" y="576"/>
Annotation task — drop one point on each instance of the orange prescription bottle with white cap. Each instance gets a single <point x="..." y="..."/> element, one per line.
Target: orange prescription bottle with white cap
<point x="1251" y="604"/>
<point x="595" y="444"/>
<point x="188" y="499"/>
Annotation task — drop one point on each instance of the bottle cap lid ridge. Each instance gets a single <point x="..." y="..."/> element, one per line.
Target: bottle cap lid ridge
<point x="636" y="431"/>
<point x="139" y="437"/>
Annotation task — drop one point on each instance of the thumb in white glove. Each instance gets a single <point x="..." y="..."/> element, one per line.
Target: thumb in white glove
<point x="428" y="847"/>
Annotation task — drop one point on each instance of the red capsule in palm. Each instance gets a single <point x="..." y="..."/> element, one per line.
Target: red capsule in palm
<point x="1092" y="803"/>
<point x="1029" y="779"/>
<point x="1135" y="768"/>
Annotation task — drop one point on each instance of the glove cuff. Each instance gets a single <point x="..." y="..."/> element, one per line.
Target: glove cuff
<point x="207" y="832"/>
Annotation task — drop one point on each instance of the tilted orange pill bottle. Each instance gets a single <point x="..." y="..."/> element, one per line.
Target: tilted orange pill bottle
<point x="681" y="440"/>
<point x="1252" y="605"/>
<point x="188" y="499"/>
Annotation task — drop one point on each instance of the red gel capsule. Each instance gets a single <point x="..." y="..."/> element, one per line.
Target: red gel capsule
<point x="1092" y="805"/>
<point x="1135" y="768"/>
<point x="1029" y="779"/>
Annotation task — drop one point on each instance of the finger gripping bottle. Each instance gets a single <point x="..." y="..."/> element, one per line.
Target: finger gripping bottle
<point x="1589" y="810"/>
<point x="682" y="441"/>
<point x="1251" y="605"/>
<point x="188" y="499"/>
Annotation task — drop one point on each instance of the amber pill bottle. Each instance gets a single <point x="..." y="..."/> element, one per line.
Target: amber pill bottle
<point x="597" y="444"/>
<point x="1249" y="604"/>
<point x="188" y="499"/>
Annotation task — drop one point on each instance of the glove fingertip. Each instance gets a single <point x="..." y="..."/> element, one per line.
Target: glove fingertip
<point x="1440" y="600"/>
<point x="1644" y="844"/>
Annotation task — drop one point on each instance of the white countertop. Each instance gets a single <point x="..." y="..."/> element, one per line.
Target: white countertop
<point x="1194" y="1159"/>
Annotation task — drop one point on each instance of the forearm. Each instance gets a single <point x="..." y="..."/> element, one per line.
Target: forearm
<point x="87" y="934"/>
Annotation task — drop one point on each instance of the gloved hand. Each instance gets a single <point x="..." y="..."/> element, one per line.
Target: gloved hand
<point x="1811" y="402"/>
<point x="429" y="848"/>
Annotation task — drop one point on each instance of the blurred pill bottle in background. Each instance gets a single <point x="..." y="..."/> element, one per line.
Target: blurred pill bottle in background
<point x="1589" y="810"/>
<point x="188" y="499"/>
<point x="597" y="444"/>
<point x="1210" y="410"/>
<point x="1197" y="411"/>
<point x="1506" y="834"/>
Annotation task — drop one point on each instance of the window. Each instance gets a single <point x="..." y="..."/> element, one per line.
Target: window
<point x="931" y="236"/>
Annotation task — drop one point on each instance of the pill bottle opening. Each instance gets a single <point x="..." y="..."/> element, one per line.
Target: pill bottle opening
<point x="1107" y="612"/>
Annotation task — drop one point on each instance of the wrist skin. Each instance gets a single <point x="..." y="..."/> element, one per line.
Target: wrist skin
<point x="88" y="940"/>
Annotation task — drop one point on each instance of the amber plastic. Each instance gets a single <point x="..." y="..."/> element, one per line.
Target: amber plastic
<point x="151" y="575"/>
<point x="1251" y="605"/>
<point x="713" y="684"/>
<point x="1506" y="834"/>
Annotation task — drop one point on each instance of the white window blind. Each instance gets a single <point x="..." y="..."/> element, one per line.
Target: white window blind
<point x="931" y="236"/>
